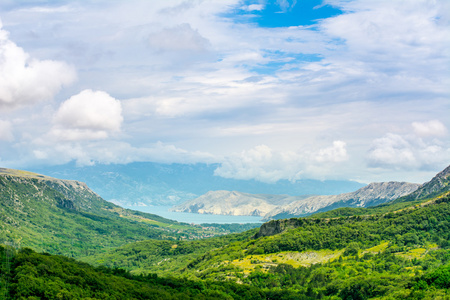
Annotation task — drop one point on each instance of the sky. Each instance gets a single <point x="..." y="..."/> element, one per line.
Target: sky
<point x="267" y="90"/>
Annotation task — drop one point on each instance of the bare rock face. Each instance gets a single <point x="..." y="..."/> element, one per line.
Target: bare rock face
<point x="370" y="195"/>
<point x="234" y="203"/>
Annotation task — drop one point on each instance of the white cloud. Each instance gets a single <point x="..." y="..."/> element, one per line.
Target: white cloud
<point x="253" y="7"/>
<point x="5" y="131"/>
<point x="178" y="38"/>
<point x="218" y="91"/>
<point x="24" y="80"/>
<point x="392" y="150"/>
<point x="107" y="152"/>
<point x="286" y="4"/>
<point x="336" y="153"/>
<point x="429" y="129"/>
<point x="264" y="164"/>
<point x="368" y="53"/>
<point x="260" y="163"/>
<point x="88" y="115"/>
<point x="411" y="151"/>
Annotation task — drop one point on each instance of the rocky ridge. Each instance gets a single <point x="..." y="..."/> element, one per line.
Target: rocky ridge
<point x="437" y="185"/>
<point x="370" y="195"/>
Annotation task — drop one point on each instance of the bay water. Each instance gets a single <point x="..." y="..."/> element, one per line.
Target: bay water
<point x="190" y="218"/>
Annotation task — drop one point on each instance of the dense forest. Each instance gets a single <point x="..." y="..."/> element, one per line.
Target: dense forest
<point x="30" y="275"/>
<point x="26" y="274"/>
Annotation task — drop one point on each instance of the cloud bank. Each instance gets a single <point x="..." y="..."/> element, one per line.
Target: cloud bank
<point x="419" y="150"/>
<point x="24" y="80"/>
<point x="264" y="164"/>
<point x="179" y="38"/>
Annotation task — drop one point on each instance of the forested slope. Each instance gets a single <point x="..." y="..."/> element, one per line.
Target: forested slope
<point x="26" y="274"/>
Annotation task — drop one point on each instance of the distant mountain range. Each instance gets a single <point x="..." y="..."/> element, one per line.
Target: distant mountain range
<point x="149" y="183"/>
<point x="235" y="203"/>
<point x="283" y="206"/>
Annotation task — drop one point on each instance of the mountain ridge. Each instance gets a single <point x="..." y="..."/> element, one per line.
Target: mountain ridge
<point x="235" y="203"/>
<point x="438" y="184"/>
<point x="285" y="206"/>
<point x="371" y="195"/>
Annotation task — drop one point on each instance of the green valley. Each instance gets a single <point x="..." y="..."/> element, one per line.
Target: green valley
<point x="398" y="250"/>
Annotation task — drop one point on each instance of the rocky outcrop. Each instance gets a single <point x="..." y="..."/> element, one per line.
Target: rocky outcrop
<point x="65" y="203"/>
<point x="370" y="195"/>
<point x="278" y="226"/>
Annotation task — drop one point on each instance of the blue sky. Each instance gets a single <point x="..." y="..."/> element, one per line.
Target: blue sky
<point x="273" y="14"/>
<point x="269" y="90"/>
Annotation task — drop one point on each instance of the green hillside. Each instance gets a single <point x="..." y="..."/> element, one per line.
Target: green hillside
<point x="26" y="274"/>
<point x="162" y="257"/>
<point x="66" y="217"/>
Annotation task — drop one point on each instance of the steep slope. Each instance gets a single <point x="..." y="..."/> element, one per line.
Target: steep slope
<point x="370" y="195"/>
<point x="437" y="185"/>
<point x="235" y="203"/>
<point x="75" y="195"/>
<point x="66" y="217"/>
